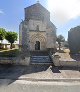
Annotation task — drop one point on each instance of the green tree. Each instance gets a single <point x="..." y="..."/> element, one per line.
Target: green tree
<point x="11" y="37"/>
<point x="2" y="34"/>
<point x="66" y="44"/>
<point x="60" y="39"/>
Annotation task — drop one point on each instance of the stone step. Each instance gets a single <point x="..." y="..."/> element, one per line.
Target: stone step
<point x="39" y="56"/>
<point x="39" y="53"/>
<point x="40" y="59"/>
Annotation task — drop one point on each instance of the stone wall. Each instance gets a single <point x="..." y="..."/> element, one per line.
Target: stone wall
<point x="34" y="23"/>
<point x="45" y="34"/>
<point x="24" y="39"/>
<point x="74" y="39"/>
<point x="51" y="35"/>
<point x="37" y="12"/>
<point x="20" y="34"/>
<point x="38" y="36"/>
<point x="70" y="63"/>
<point x="15" y="60"/>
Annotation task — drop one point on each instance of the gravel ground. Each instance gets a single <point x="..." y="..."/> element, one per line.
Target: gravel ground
<point x="69" y="57"/>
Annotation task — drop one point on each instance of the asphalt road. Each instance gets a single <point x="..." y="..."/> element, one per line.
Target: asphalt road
<point x="28" y="86"/>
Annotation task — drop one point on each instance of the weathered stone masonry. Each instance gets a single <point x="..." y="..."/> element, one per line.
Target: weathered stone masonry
<point x="37" y="32"/>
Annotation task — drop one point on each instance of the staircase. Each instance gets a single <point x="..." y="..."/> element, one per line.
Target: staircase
<point x="40" y="60"/>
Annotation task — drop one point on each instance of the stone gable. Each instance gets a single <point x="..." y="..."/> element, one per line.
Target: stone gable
<point x="37" y="12"/>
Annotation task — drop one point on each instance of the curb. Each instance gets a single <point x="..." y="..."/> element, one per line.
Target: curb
<point x="46" y="80"/>
<point x="52" y="80"/>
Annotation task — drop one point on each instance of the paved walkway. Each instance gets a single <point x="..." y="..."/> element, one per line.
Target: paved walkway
<point x="69" y="57"/>
<point x="38" y="72"/>
<point x="40" y="86"/>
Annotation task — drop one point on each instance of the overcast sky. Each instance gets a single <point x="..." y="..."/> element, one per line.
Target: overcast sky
<point x="65" y="14"/>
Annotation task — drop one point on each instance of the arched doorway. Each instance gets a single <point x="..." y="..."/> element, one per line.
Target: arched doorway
<point x="37" y="45"/>
<point x="37" y="42"/>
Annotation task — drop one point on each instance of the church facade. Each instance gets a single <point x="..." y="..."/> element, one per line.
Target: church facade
<point x="37" y="32"/>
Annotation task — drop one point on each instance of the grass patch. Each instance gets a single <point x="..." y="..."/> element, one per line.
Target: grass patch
<point x="9" y="53"/>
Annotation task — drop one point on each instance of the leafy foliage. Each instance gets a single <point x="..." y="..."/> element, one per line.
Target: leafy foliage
<point x="60" y="39"/>
<point x="11" y="37"/>
<point x="2" y="33"/>
<point x="2" y="36"/>
<point x="66" y="44"/>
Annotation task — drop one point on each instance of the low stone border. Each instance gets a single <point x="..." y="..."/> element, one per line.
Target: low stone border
<point x="58" y="62"/>
<point x="46" y="80"/>
<point x="7" y="60"/>
<point x="15" y="60"/>
<point x="55" y="59"/>
<point x="52" y="80"/>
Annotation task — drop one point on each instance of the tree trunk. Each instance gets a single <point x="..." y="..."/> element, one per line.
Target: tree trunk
<point x="59" y="46"/>
<point x="1" y="45"/>
<point x="11" y="46"/>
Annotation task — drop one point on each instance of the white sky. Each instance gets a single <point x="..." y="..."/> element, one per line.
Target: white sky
<point x="64" y="10"/>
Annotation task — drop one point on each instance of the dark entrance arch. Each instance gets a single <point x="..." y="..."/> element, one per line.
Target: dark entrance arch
<point x="37" y="45"/>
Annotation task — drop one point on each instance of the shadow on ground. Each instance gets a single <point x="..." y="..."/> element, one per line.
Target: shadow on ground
<point x="75" y="57"/>
<point x="12" y="73"/>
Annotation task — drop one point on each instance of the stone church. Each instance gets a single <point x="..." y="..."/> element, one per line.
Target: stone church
<point x="36" y="31"/>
